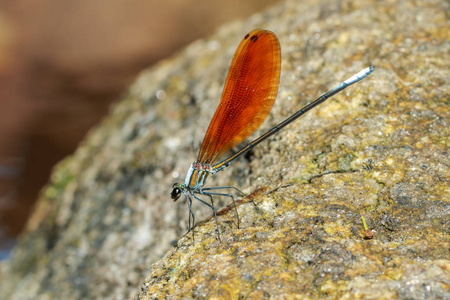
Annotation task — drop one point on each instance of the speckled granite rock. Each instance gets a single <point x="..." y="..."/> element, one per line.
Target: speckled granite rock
<point x="378" y="150"/>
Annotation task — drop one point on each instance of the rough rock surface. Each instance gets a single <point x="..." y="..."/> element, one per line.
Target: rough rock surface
<point x="378" y="150"/>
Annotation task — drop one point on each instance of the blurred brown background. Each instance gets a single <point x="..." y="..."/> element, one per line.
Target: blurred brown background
<point x="63" y="62"/>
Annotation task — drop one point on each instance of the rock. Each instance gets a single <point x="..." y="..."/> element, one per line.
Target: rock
<point x="378" y="150"/>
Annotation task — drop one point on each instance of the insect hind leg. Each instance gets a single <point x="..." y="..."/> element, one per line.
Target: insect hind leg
<point x="206" y="192"/>
<point x="230" y="187"/>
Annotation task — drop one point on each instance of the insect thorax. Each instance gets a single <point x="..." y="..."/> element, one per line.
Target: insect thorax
<point x="197" y="175"/>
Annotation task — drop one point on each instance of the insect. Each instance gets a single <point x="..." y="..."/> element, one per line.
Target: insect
<point x="247" y="98"/>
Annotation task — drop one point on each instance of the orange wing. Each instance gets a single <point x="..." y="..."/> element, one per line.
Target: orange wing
<point x="248" y="96"/>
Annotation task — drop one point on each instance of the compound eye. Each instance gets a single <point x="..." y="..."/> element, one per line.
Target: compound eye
<point x="176" y="193"/>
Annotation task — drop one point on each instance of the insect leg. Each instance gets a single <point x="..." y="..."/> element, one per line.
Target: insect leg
<point x="206" y="192"/>
<point x="213" y="209"/>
